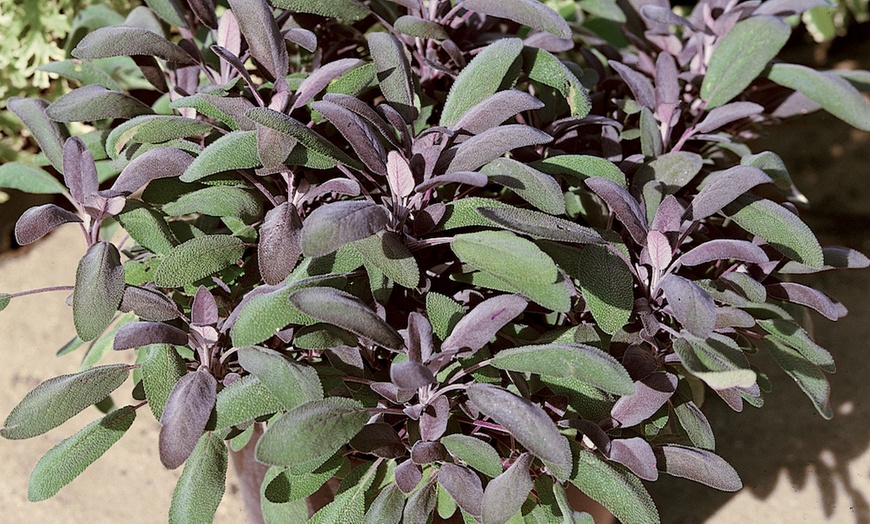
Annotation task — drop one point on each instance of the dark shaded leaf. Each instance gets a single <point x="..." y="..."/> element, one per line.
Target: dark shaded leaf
<point x="198" y="258"/>
<point x="779" y="227"/>
<point x="699" y="465"/>
<point x="636" y="454"/>
<point x="185" y="415"/>
<point x="265" y="42"/>
<point x="724" y="249"/>
<point x="368" y="114"/>
<point x="582" y="362"/>
<point x="651" y="394"/>
<point x="387" y="507"/>
<point x="411" y="375"/>
<point x="67" y="460"/>
<point x="49" y="134"/>
<point x="740" y="56"/>
<point x="481" y="78"/>
<point x="463" y="485"/>
<point x="615" y="488"/>
<point x="491" y="144"/>
<point x="408" y="475"/>
<point x="201" y="486"/>
<point x="542" y="66"/>
<point x="95" y="102"/>
<point x="58" y="399"/>
<point x="138" y="334"/>
<point x="347" y="312"/>
<point x="495" y="109"/>
<point x="505" y="495"/>
<point x="809" y="297"/>
<point x="98" y="290"/>
<point x="726" y="114"/>
<point x="797" y="338"/>
<point x="723" y="187"/>
<point x="358" y="134"/>
<point x="527" y="422"/>
<point x="691" y="306"/>
<point x="335" y="224"/>
<point x="379" y="439"/>
<point x="540" y="225"/>
<point x="623" y="205"/>
<point x="476" y="328"/>
<point x="537" y="188"/>
<point x="39" y="221"/>
<point x="423" y="452"/>
<point x="129" y="41"/>
<point x="806" y="374"/>
<point x="307" y="435"/>
<point x="607" y="285"/>
<point x="526" y="12"/>
<point x="394" y="73"/>
<point x="350" y="10"/>
<point x="640" y="85"/>
<point x="162" y="162"/>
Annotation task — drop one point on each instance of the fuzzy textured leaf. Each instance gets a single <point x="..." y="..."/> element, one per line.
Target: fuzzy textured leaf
<point x="607" y="286"/>
<point x="807" y="375"/>
<point x="50" y="135"/>
<point x="723" y="187"/>
<point x="185" y="415"/>
<point x="540" y="225"/>
<point x="264" y="38"/>
<point x="293" y="384"/>
<point x="29" y="179"/>
<point x="491" y="144"/>
<point x="537" y="188"/>
<point x="201" y="486"/>
<point x="476" y="328"/>
<point x="542" y="66"/>
<point x="161" y="369"/>
<point x="505" y="495"/>
<point x="699" y="465"/>
<point x="98" y="290"/>
<point x="95" y="102"/>
<point x="234" y="150"/>
<point x="280" y="245"/>
<point x="39" y="221"/>
<point x="474" y="452"/>
<point x="615" y="488"/>
<point x="335" y="224"/>
<point x="198" y="258"/>
<point x="129" y="41"/>
<point x="797" y="338"/>
<point x="650" y="394"/>
<point x="526" y="12"/>
<point x="495" y="109"/>
<point x="350" y="10"/>
<point x="394" y="73"/>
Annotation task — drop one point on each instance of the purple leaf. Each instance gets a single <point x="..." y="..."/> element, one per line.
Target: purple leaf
<point x="733" y="317"/>
<point x="699" y="465"/>
<point x="50" y="135"/>
<point x="366" y="112"/>
<point x="548" y="42"/>
<point x="148" y="304"/>
<point x="185" y="415"/>
<point x="491" y="144"/>
<point x="138" y="334"/>
<point x="691" y="306"/>
<point x="623" y="205"/>
<point x="391" y="392"/>
<point x="495" y="109"/>
<point x="79" y="170"/>
<point x="787" y="7"/>
<point x="235" y="62"/>
<point x="723" y="187"/>
<point x="408" y="475"/>
<point x="464" y="486"/>
<point x="411" y="375"/>
<point x="335" y="224"/>
<point x="659" y="250"/>
<point x="279" y="247"/>
<point x="809" y="297"/>
<point x="428" y="452"/>
<point x="663" y="15"/>
<point x="399" y="176"/>
<point x="640" y="85"/>
<point x="434" y="419"/>
<point x="204" y="11"/>
<point x="265" y="42"/>
<point x="95" y="102"/>
<point x="526" y="12"/>
<point x="379" y="439"/>
<point x="39" y="221"/>
<point x="129" y="41"/>
<point x="303" y="38"/>
<point x="419" y="338"/>
<point x="667" y="89"/>
<point x="98" y="290"/>
<point x="724" y="249"/>
<point x="162" y="162"/>
<point x="726" y="114"/>
<point x="651" y="394"/>
<point x="320" y="78"/>
<point x="358" y="134"/>
<point x="668" y="216"/>
<point x="204" y="310"/>
<point x="338" y="186"/>
<point x="591" y="431"/>
<point x="637" y="455"/>
<point x="639" y="362"/>
<point x="476" y="328"/>
<point x="471" y="178"/>
<point x="504" y="495"/>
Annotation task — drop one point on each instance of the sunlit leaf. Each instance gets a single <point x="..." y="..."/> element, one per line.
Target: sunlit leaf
<point x="527" y="12"/>
<point x="95" y="102"/>
<point x="394" y="73"/>
<point x="292" y="383"/>
<point x="350" y="10"/>
<point x="333" y="225"/>
<point x="806" y="374"/>
<point x="607" y="285"/>
<point x="699" y="465"/>
<point x="198" y="258"/>
<point x="201" y="486"/>
<point x="542" y="66"/>
<point x="39" y="221"/>
<point x="491" y="144"/>
<point x="29" y="179"/>
<point x="98" y="290"/>
<point x="185" y="415"/>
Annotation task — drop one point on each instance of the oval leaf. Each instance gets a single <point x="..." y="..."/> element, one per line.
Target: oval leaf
<point x="526" y="12"/>
<point x="198" y="258"/>
<point x="495" y="109"/>
<point x="39" y="221"/>
<point x="185" y="415"/>
<point x="95" y="102"/>
<point x="474" y="452"/>
<point x="394" y="73"/>
<point x="724" y="187"/>
<point x="491" y="144"/>
<point x="49" y="134"/>
<point x="651" y="393"/>
<point x="29" y="179"/>
<point x="261" y="32"/>
<point x="699" y="465"/>
<point x="476" y="328"/>
<point x="98" y="290"/>
<point x="124" y="40"/>
<point x="335" y="224"/>
<point x="506" y="494"/>
<point x="463" y="485"/>
<point x="201" y="485"/>
<point x="293" y="384"/>
<point x="538" y="189"/>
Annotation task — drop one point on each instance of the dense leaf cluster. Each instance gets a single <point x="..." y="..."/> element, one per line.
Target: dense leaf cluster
<point x="455" y="254"/>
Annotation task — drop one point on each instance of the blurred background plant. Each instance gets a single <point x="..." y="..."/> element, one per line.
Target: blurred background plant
<point x="825" y="23"/>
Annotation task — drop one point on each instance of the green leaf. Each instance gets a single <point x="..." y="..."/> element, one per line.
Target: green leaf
<point x="420" y="28"/>
<point x="58" y="399"/>
<point x="234" y="150"/>
<point x="387" y="507"/>
<point x="307" y="435"/>
<point x="674" y="170"/>
<point x="198" y="258"/>
<point x="66" y="461"/>
<point x="201" y="486"/>
<point x="581" y="167"/>
<point x="385" y="251"/>
<point x="348" y="506"/>
<point x="293" y="384"/>
<point x="718" y="361"/>
<point x="539" y="225"/>
<point x="506" y="256"/>
<point x="147" y="226"/>
<point x="218" y="201"/>
<point x="696" y="425"/>
<point x="169" y="10"/>
<point x="493" y="69"/>
<point x="125" y="40"/>
<point x="527" y="422"/>
<point x="807" y="375"/>
<point x="542" y="66"/>
<point x="778" y="226"/>
<point x="28" y="178"/>
<point x="526" y="12"/>
<point x="95" y="102"/>
<point x="585" y="363"/>
<point x="443" y="313"/>
<point x="242" y="401"/>
<point x="834" y="94"/>
<point x="474" y="452"/>
<point x="741" y="55"/>
<point x="98" y="290"/>
<point x="5" y="298"/>
<point x="797" y="338"/>
<point x="84" y="73"/>
<point x="350" y="10"/>
<point x="50" y="135"/>
<point x="538" y="189"/>
<point x="161" y="369"/>
<point x="347" y="312"/>
<point x="394" y="73"/>
<point x="286" y="487"/>
<point x="607" y="285"/>
<point x="607" y="9"/>
<point x="315" y="143"/>
<point x="614" y="487"/>
<point x="153" y="129"/>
